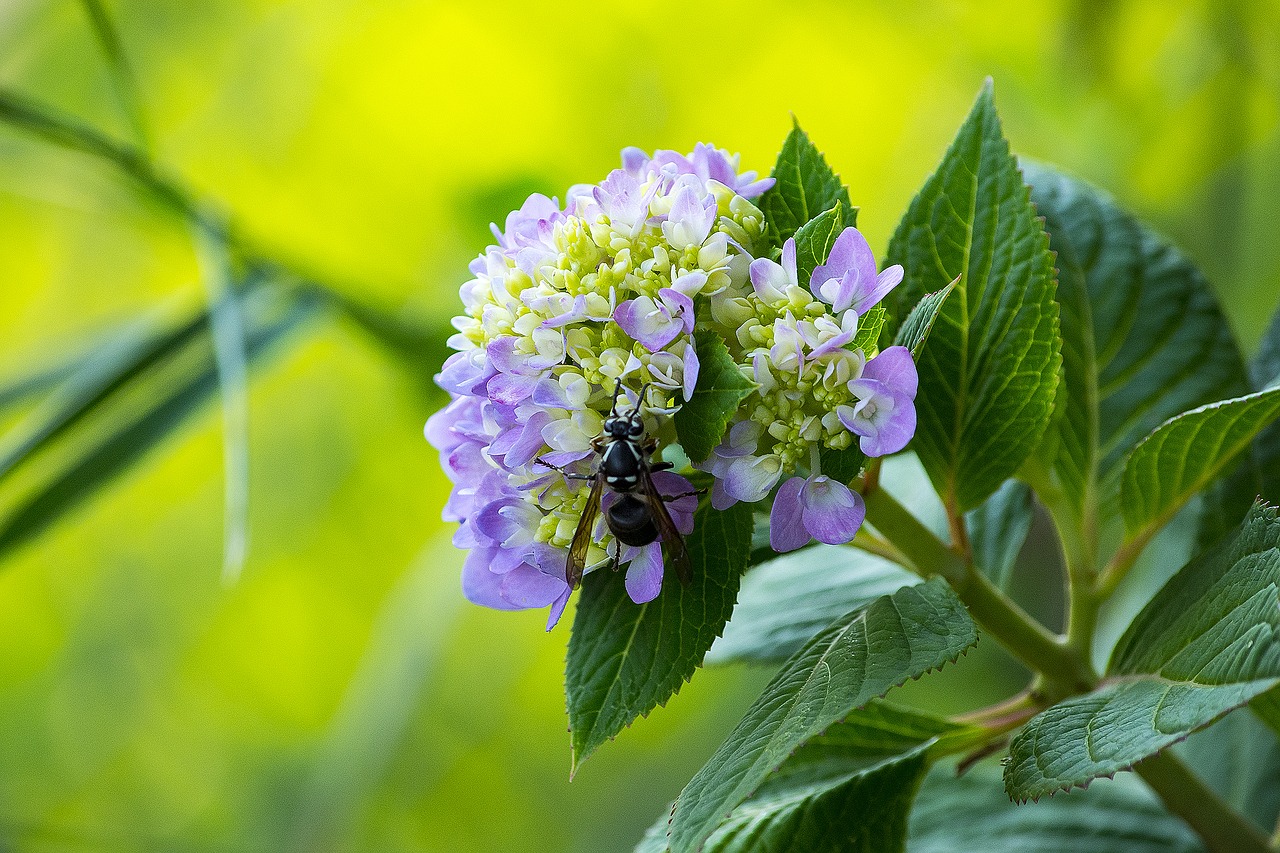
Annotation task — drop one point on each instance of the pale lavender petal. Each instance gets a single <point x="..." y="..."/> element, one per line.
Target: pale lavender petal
<point x="550" y="393"/>
<point x="720" y="497"/>
<point x="691" y="367"/>
<point x="789" y="259"/>
<point x="896" y="369"/>
<point x="481" y="586"/>
<point x="466" y="463"/>
<point x="465" y="537"/>
<point x="649" y="323"/>
<point x="634" y="160"/>
<point x="769" y="280"/>
<point x="502" y="355"/>
<point x="786" y="520"/>
<point x="678" y="304"/>
<point x="464" y="372"/>
<point x="524" y="586"/>
<point x="440" y="430"/>
<point x="895" y="433"/>
<point x="750" y="478"/>
<point x="644" y="575"/>
<point x="510" y="389"/>
<point x="832" y="512"/>
<point x="885" y="282"/>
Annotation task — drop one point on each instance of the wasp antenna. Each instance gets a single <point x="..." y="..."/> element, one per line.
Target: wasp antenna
<point x="617" y="389"/>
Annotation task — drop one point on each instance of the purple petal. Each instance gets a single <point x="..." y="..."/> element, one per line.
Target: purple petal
<point x="885" y="282"/>
<point x="895" y="433"/>
<point x="679" y="305"/>
<point x="720" y="497"/>
<point x="524" y="586"/>
<point x="786" y="520"/>
<point x="509" y="389"/>
<point x="832" y="513"/>
<point x="557" y="608"/>
<point x="481" y="586"/>
<point x="644" y="575"/>
<point x="652" y="325"/>
<point x="896" y="369"/>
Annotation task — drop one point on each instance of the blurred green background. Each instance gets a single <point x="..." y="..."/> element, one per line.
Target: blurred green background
<point x="340" y="695"/>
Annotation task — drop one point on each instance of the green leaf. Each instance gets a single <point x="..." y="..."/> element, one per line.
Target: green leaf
<point x="625" y="658"/>
<point x="854" y="660"/>
<point x="1075" y="433"/>
<point x="721" y="388"/>
<point x="998" y="528"/>
<point x="1206" y="643"/>
<point x="915" y="329"/>
<point x="989" y="369"/>
<point x="961" y="814"/>
<point x="1258" y="472"/>
<point x="805" y="187"/>
<point x="787" y="600"/>
<point x="815" y="239"/>
<point x="850" y="788"/>
<point x="1151" y="327"/>
<point x="1185" y="454"/>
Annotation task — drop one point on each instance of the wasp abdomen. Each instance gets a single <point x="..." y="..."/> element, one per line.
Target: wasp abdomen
<point x="631" y="521"/>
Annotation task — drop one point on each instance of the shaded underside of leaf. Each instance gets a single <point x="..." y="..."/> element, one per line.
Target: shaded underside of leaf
<point x="787" y="600"/>
<point x="624" y="658"/>
<point x="972" y="813"/>
<point x="854" y="660"/>
<point x="1161" y="344"/>
<point x="848" y="789"/>
<point x="1208" y="642"/>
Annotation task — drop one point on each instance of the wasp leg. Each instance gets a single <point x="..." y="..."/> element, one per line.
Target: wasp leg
<point x="568" y="475"/>
<point x="662" y="466"/>
<point x="617" y="555"/>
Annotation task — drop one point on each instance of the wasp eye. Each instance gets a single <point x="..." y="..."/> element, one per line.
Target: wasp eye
<point x="636" y="429"/>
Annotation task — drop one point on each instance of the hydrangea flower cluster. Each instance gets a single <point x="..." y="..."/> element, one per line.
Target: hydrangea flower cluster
<point x="573" y="303"/>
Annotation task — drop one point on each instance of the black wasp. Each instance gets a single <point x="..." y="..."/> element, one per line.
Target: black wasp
<point x="638" y="516"/>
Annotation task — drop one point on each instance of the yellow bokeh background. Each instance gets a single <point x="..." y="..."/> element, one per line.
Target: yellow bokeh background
<point x="340" y="695"/>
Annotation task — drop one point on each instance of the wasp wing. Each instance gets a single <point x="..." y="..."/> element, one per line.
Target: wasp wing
<point x="671" y="536"/>
<point x="582" y="536"/>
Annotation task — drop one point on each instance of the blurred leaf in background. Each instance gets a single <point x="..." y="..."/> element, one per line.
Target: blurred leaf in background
<point x="329" y="699"/>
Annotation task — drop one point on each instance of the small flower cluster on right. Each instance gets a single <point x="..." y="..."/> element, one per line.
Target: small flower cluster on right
<point x="815" y="390"/>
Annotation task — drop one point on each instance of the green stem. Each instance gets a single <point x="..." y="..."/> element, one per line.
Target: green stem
<point x="1064" y="670"/>
<point x="1222" y="829"/>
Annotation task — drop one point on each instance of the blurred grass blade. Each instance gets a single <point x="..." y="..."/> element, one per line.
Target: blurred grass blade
<point x="164" y="398"/>
<point x="100" y="373"/>
<point x="227" y="327"/>
<point x="371" y="725"/>
<point x="121" y="72"/>
<point x="40" y="382"/>
<point x="52" y="125"/>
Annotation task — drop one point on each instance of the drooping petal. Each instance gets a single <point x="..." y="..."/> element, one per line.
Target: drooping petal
<point x="786" y="520"/>
<point x="644" y="574"/>
<point x="832" y="512"/>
